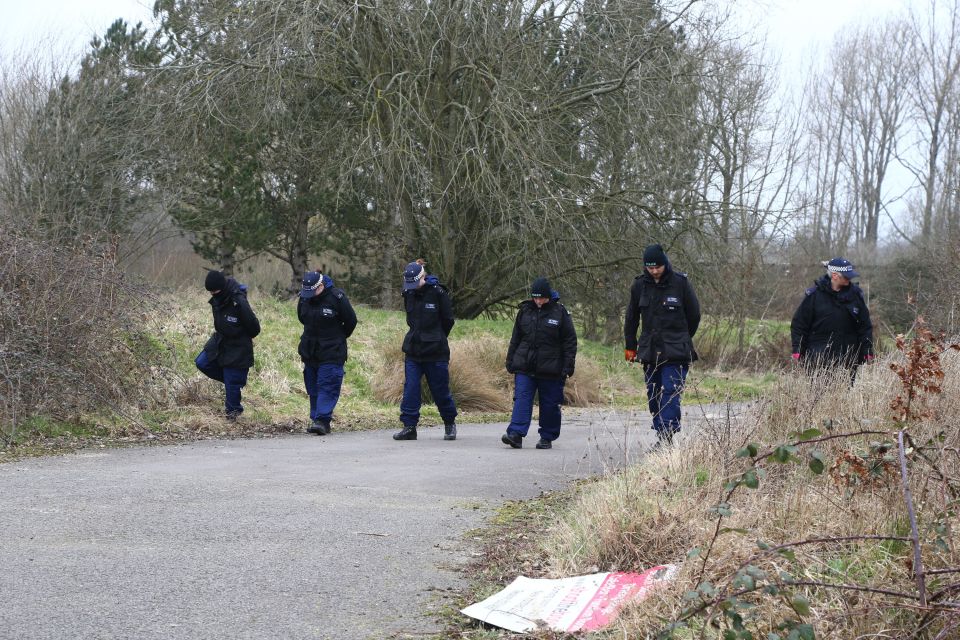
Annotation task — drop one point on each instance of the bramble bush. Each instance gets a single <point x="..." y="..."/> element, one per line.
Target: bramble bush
<point x="72" y="334"/>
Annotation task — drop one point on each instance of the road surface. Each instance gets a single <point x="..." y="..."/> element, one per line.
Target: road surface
<point x="351" y="536"/>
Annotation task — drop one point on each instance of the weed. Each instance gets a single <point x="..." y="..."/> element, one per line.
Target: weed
<point x="797" y="520"/>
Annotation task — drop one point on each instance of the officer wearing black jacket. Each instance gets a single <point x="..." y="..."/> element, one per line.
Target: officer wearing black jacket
<point x="427" y="353"/>
<point x="228" y="354"/>
<point x="328" y="320"/>
<point x="542" y="355"/>
<point x="832" y="326"/>
<point x="663" y="302"/>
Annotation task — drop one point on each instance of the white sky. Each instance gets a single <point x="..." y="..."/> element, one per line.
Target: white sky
<point x="63" y="26"/>
<point x="799" y="31"/>
<point x="795" y="26"/>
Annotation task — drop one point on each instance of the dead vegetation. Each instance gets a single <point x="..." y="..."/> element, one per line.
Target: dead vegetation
<point x="828" y="512"/>
<point x="75" y="335"/>
<point x="478" y="379"/>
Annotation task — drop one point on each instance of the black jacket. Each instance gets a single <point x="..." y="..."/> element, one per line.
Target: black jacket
<point x="832" y="327"/>
<point x="544" y="341"/>
<point x="670" y="315"/>
<point x="430" y="319"/>
<point x="328" y="320"/>
<point x="235" y="326"/>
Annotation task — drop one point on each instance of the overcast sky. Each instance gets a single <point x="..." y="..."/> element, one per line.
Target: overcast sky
<point x="63" y="25"/>
<point x="799" y="28"/>
<point x="794" y="26"/>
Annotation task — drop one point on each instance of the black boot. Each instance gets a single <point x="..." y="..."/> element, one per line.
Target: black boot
<point x="544" y="444"/>
<point x="407" y="433"/>
<point x="450" y="431"/>
<point x="664" y="441"/>
<point x="512" y="439"/>
<point x="324" y="426"/>
<point x="316" y="428"/>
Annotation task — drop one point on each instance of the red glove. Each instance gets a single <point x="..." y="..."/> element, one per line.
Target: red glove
<point x="630" y="355"/>
<point x="795" y="356"/>
<point x="868" y="358"/>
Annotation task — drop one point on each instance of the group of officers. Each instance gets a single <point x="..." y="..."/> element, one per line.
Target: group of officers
<point x="831" y="327"/>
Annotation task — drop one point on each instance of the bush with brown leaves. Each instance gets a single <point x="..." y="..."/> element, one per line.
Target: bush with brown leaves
<point x="72" y="333"/>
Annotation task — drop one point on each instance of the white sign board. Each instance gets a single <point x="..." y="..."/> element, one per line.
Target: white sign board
<point x="583" y="603"/>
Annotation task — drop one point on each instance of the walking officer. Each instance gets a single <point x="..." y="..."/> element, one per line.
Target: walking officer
<point x="328" y="320"/>
<point x="542" y="355"/>
<point x="665" y="307"/>
<point x="831" y="326"/>
<point x="228" y="354"/>
<point x="426" y="350"/>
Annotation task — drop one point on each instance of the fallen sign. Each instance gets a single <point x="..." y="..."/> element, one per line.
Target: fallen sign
<point x="583" y="603"/>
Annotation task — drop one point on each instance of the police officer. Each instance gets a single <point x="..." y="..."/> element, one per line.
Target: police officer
<point x="427" y="353"/>
<point x="832" y="326"/>
<point x="228" y="354"/>
<point x="328" y="320"/>
<point x="542" y="355"/>
<point x="664" y="305"/>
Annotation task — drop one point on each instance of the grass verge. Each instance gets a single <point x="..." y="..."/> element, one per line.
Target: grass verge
<point x="791" y="523"/>
<point x="178" y="403"/>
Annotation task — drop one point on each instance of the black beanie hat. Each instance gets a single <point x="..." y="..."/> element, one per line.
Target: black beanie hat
<point x="654" y="256"/>
<point x="540" y="288"/>
<point x="215" y="281"/>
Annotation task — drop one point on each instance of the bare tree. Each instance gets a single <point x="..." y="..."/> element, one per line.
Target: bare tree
<point x="829" y="225"/>
<point x="858" y="109"/>
<point x="748" y="179"/>
<point x="935" y="46"/>
<point x="75" y="158"/>
<point x="875" y="68"/>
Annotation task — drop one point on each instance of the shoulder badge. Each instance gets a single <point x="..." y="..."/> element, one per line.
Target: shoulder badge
<point x="810" y="291"/>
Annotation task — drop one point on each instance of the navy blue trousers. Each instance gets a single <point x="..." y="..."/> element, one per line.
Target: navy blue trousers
<point x="323" y="386"/>
<point x="438" y="379"/>
<point x="664" y="388"/>
<point x="233" y="380"/>
<point x="551" y="397"/>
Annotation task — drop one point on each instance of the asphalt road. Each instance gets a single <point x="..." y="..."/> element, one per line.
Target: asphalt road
<point x="350" y="536"/>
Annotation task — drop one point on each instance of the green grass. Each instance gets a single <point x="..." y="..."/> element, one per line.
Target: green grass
<point x="715" y="386"/>
<point x="189" y="405"/>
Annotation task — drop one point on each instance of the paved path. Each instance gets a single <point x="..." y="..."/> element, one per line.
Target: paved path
<point x="349" y="537"/>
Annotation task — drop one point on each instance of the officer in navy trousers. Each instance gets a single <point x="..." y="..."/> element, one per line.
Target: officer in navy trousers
<point x="426" y="350"/>
<point x="664" y="306"/>
<point x="542" y="355"/>
<point x="328" y="320"/>
<point x="228" y="354"/>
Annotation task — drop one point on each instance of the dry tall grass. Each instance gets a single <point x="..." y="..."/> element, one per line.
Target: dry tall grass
<point x="473" y="376"/>
<point x="665" y="510"/>
<point x="478" y="379"/>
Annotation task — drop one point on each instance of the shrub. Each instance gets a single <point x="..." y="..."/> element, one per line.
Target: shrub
<point x="72" y="335"/>
<point x="475" y="378"/>
<point x="478" y="379"/>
